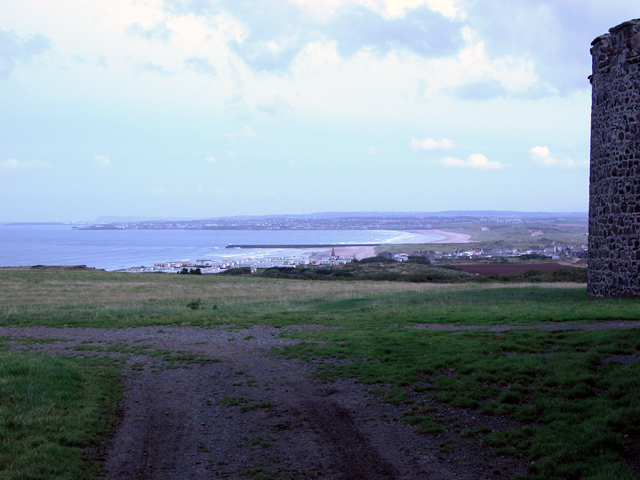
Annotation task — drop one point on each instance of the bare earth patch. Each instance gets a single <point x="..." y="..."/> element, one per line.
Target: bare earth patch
<point x="252" y="415"/>
<point x="510" y="268"/>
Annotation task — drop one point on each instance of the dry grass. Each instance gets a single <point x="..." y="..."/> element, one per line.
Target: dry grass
<point x="108" y="299"/>
<point x="34" y="288"/>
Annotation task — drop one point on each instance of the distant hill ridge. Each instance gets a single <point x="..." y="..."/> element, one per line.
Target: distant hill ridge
<point x="328" y="215"/>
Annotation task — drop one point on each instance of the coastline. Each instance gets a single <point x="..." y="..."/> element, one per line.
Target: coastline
<point x="127" y="250"/>
<point x="449" y="237"/>
<point x="360" y="252"/>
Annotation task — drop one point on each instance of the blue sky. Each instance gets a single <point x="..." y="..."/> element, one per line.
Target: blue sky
<point x="207" y="108"/>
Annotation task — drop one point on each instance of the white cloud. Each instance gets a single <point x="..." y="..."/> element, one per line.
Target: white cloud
<point x="477" y="160"/>
<point x="16" y="165"/>
<point x="325" y="9"/>
<point x="101" y="161"/>
<point x="449" y="8"/>
<point x="544" y="156"/>
<point x="210" y="159"/>
<point x="372" y="151"/>
<point x="431" y="144"/>
<point x="398" y="8"/>
<point x="246" y="132"/>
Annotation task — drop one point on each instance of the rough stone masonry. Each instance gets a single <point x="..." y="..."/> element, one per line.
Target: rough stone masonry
<point x="614" y="183"/>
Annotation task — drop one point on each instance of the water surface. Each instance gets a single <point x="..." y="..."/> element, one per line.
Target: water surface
<point x="116" y="249"/>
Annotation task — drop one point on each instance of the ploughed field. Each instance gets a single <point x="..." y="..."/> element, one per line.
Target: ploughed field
<point x="510" y="268"/>
<point x="120" y="376"/>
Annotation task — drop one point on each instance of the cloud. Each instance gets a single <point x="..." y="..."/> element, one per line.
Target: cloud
<point x="210" y="159"/>
<point x="372" y="151"/>
<point x="477" y="160"/>
<point x="14" y="50"/>
<point x="483" y="90"/>
<point x="159" y="32"/>
<point x="101" y="161"/>
<point x="554" y="34"/>
<point x="431" y="144"/>
<point x="449" y="8"/>
<point x="267" y="56"/>
<point x="421" y="31"/>
<point x="151" y="67"/>
<point x="543" y="155"/>
<point x="277" y="107"/>
<point x="246" y="132"/>
<point x="399" y="8"/>
<point x="16" y="165"/>
<point x="273" y="32"/>
<point x="200" y="65"/>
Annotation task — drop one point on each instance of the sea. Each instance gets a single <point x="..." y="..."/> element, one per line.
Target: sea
<point x="22" y="245"/>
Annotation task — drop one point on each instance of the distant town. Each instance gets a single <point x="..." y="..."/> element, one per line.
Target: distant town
<point x="555" y="252"/>
<point x="304" y="223"/>
<point x="219" y="266"/>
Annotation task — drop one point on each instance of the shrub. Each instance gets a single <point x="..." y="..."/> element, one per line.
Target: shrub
<point x="419" y="259"/>
<point x="377" y="259"/>
<point x="570" y="275"/>
<point x="195" y="304"/>
<point x="237" y="271"/>
<point x="533" y="256"/>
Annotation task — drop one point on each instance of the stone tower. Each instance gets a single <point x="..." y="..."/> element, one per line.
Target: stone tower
<point x="614" y="182"/>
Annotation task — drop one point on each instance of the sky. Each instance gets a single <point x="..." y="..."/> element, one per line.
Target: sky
<point x="210" y="108"/>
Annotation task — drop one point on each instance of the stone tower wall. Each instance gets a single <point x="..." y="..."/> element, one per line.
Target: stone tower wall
<point x="614" y="190"/>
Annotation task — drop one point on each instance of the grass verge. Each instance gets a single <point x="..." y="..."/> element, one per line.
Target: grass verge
<point x="576" y="394"/>
<point x="54" y="414"/>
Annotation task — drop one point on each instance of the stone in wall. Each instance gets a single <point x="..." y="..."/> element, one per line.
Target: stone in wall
<point x="614" y="181"/>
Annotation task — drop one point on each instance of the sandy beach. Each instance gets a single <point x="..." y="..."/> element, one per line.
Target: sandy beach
<point x="365" y="252"/>
<point x="449" y="237"/>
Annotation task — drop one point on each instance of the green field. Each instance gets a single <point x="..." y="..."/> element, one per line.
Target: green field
<point x="54" y="415"/>
<point x="101" y="299"/>
<point x="575" y="394"/>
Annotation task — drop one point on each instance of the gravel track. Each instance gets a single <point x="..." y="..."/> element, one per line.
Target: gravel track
<point x="256" y="416"/>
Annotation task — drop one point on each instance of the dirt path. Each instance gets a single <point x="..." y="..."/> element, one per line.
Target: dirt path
<point x="255" y="416"/>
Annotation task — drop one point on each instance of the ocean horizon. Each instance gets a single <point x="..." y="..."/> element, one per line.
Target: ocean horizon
<point x="27" y="245"/>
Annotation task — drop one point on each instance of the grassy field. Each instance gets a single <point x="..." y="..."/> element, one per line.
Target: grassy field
<point x="575" y="394"/>
<point x="54" y="414"/>
<point x="101" y="299"/>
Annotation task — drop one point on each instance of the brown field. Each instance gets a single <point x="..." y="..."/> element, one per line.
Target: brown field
<point x="497" y="269"/>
